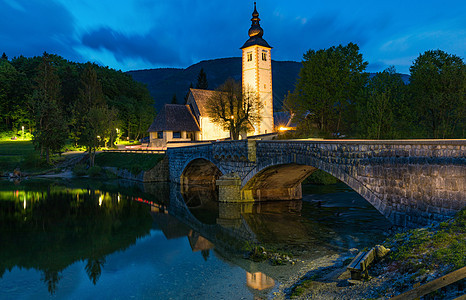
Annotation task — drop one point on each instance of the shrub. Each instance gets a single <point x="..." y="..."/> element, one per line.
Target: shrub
<point x="321" y="177"/>
<point x="80" y="170"/>
<point x="95" y="171"/>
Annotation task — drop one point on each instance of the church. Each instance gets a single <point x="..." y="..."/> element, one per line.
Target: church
<point x="177" y="123"/>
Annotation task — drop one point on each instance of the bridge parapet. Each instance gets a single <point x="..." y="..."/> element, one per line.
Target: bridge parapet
<point x="409" y="181"/>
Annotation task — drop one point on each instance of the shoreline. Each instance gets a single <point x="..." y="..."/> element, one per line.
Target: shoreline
<point x="412" y="262"/>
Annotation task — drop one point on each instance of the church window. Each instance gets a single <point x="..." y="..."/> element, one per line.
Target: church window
<point x="249" y="56"/>
<point x="177" y="135"/>
<point x="264" y="55"/>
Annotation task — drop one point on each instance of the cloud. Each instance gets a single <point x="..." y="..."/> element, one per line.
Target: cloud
<point x="151" y="47"/>
<point x="32" y="27"/>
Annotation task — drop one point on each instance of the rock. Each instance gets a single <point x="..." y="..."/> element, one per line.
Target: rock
<point x="354" y="282"/>
<point x="17" y="173"/>
<point x="353" y="250"/>
<point x="381" y="251"/>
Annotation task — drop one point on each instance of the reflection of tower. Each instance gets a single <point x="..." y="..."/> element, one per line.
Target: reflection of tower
<point x="259" y="281"/>
<point x="229" y="214"/>
<point x="257" y="72"/>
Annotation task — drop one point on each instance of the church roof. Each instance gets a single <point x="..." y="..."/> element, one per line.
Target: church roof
<point x="201" y="97"/>
<point x="174" y="117"/>
<point x="255" y="41"/>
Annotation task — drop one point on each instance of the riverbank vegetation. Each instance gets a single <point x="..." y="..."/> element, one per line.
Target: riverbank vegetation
<point x="440" y="247"/>
<point x="416" y="257"/>
<point x="20" y="155"/>
<point x="134" y="162"/>
<point x="335" y="97"/>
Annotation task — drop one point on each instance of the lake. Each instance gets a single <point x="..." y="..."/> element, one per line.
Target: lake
<point x="87" y="239"/>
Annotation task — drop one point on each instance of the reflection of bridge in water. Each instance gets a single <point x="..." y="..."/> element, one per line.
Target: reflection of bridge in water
<point x="411" y="182"/>
<point x="228" y="228"/>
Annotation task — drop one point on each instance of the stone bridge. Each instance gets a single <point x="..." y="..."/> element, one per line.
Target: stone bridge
<point x="411" y="182"/>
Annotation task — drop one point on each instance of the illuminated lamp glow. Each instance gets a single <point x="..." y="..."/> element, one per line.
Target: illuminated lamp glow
<point x="283" y="128"/>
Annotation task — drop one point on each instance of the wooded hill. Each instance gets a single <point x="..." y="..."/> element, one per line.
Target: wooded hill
<point x="164" y="83"/>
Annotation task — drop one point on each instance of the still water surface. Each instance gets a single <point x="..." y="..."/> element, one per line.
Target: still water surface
<point x="120" y="240"/>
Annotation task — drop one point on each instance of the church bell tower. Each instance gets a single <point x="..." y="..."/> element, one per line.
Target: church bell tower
<point x="257" y="73"/>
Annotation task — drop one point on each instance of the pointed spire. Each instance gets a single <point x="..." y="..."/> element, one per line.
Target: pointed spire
<point x="255" y="32"/>
<point x="255" y="29"/>
<point x="255" y="13"/>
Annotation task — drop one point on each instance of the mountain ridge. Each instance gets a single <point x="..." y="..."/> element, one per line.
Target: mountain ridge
<point x="163" y="83"/>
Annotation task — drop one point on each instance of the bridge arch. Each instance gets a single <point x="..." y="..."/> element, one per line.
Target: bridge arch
<point x="283" y="181"/>
<point x="200" y="171"/>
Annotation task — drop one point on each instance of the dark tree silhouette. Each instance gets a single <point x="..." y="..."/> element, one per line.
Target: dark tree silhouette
<point x="202" y="80"/>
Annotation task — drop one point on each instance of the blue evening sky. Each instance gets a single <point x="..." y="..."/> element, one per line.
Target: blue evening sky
<point x="142" y="34"/>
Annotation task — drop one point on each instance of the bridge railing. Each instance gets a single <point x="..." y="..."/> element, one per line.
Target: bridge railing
<point x="146" y="151"/>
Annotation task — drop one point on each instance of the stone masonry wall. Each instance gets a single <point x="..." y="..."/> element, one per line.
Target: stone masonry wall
<point x="412" y="183"/>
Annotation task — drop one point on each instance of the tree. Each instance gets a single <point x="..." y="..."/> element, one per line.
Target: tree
<point x="328" y="83"/>
<point x="438" y="85"/>
<point x="233" y="109"/>
<point x="202" y="80"/>
<point x="379" y="109"/>
<point x="174" y="101"/>
<point x="51" y="132"/>
<point x="89" y="111"/>
<point x="4" y="56"/>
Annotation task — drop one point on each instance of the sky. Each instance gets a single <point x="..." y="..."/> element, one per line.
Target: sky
<point x="144" y="34"/>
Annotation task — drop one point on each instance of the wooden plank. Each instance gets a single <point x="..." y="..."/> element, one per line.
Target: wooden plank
<point x="433" y="285"/>
<point x="367" y="259"/>
<point x="355" y="263"/>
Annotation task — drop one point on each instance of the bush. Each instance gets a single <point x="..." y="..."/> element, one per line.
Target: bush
<point x="135" y="170"/>
<point x="321" y="177"/>
<point x="80" y="170"/>
<point x="95" y="171"/>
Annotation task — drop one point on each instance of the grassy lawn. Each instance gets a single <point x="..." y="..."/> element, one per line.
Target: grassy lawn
<point x="135" y="162"/>
<point x="22" y="155"/>
<point x="16" y="148"/>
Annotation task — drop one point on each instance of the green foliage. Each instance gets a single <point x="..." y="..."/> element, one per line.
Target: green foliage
<point x="16" y="147"/>
<point x="328" y="85"/>
<point x="21" y="77"/>
<point x="303" y="286"/>
<point x="95" y="171"/>
<point x="439" y="247"/>
<point x="135" y="162"/>
<point x="321" y="177"/>
<point x="438" y="87"/>
<point x="333" y="97"/>
<point x="382" y="104"/>
<point x="34" y="161"/>
<point x="80" y="170"/>
<point x="51" y="132"/>
<point x="20" y="154"/>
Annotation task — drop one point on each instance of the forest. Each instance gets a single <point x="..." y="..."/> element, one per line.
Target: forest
<point x="60" y="102"/>
<point x="336" y="97"/>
